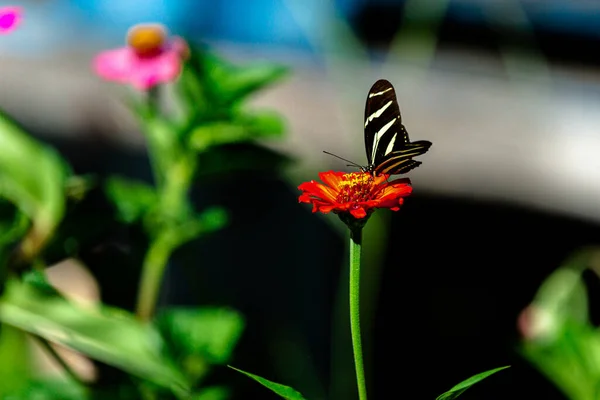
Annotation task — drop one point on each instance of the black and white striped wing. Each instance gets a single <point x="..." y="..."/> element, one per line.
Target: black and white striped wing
<point x="388" y="147"/>
<point x="383" y="122"/>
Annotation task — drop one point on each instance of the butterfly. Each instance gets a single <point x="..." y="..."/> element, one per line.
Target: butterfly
<point x="389" y="150"/>
<point x="388" y="147"/>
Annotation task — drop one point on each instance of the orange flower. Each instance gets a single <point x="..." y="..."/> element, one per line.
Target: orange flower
<point x="358" y="193"/>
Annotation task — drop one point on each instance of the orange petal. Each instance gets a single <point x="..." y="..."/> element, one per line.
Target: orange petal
<point x="318" y="190"/>
<point x="380" y="179"/>
<point x="391" y="203"/>
<point x="331" y="178"/>
<point x="358" y="212"/>
<point x="399" y="190"/>
<point x="325" y="209"/>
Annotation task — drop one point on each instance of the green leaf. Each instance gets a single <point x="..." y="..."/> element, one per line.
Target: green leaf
<point x="569" y="360"/>
<point x="212" y="219"/>
<point x="464" y="385"/>
<point x="559" y="338"/>
<point x="13" y="224"/>
<point x="563" y="294"/>
<point x="77" y="187"/>
<point x="191" y="87"/>
<point x="244" y="128"/>
<point x="213" y="393"/>
<point x="201" y="336"/>
<point x="32" y="177"/>
<point x="232" y="83"/>
<point x="15" y="366"/>
<point x="284" y="391"/>
<point x="264" y="123"/>
<point x="209" y="220"/>
<point x="133" y="199"/>
<point x="216" y="133"/>
<point x="103" y="333"/>
<point x="50" y="389"/>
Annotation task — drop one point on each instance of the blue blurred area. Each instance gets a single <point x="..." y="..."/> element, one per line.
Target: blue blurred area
<point x="560" y="16"/>
<point x="73" y="24"/>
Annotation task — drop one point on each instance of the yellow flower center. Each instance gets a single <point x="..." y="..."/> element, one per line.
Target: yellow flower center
<point x="147" y="39"/>
<point x="355" y="187"/>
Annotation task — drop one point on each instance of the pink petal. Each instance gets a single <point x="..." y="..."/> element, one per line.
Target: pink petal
<point x="10" y="17"/>
<point x="123" y="65"/>
<point x="180" y="46"/>
<point x="115" y="65"/>
<point x="151" y="71"/>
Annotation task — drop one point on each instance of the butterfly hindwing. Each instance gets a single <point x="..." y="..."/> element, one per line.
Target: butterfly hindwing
<point x="396" y="165"/>
<point x="388" y="147"/>
<point x="400" y="161"/>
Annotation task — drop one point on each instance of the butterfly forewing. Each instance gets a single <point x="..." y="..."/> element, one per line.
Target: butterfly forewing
<point x="382" y="120"/>
<point x="387" y="144"/>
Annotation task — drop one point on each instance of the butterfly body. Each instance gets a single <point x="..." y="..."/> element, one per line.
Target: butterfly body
<point x="388" y="147"/>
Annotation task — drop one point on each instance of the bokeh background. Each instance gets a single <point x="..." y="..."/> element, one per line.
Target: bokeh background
<point x="507" y="91"/>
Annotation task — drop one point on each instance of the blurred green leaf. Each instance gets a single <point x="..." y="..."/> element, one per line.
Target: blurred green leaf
<point x="50" y="389"/>
<point x="32" y="176"/>
<point x="264" y="123"/>
<point x="563" y="294"/>
<point x="77" y="187"/>
<point x="211" y="333"/>
<point x="232" y="83"/>
<point x="236" y="83"/>
<point x="244" y="128"/>
<point x="464" y="385"/>
<point x="38" y="280"/>
<point x="201" y="336"/>
<point x="570" y="360"/>
<point x="209" y="220"/>
<point x="15" y="368"/>
<point x="212" y="219"/>
<point x="284" y="391"/>
<point x="13" y="224"/>
<point x="213" y="393"/>
<point x="133" y="199"/>
<point x="191" y="88"/>
<point x="216" y="133"/>
<point x="560" y="340"/>
<point x="106" y="334"/>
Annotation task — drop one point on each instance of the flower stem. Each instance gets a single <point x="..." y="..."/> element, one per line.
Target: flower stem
<point x="355" y="250"/>
<point x="173" y="169"/>
<point x="152" y="273"/>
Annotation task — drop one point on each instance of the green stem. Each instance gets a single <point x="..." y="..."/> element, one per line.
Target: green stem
<point x="152" y="273"/>
<point x="152" y="102"/>
<point x="355" y="250"/>
<point x="173" y="205"/>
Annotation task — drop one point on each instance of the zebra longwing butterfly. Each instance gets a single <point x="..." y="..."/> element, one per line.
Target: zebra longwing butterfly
<point x="389" y="150"/>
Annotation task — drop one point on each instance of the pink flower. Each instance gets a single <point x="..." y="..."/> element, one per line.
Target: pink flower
<point x="150" y="58"/>
<point x="10" y="17"/>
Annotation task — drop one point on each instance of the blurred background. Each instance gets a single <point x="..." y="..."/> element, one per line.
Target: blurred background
<point x="507" y="91"/>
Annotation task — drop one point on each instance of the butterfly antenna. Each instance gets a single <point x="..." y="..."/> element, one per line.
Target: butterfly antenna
<point x="352" y="163"/>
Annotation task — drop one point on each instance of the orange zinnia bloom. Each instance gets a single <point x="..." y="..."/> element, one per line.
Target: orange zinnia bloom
<point x="358" y="193"/>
